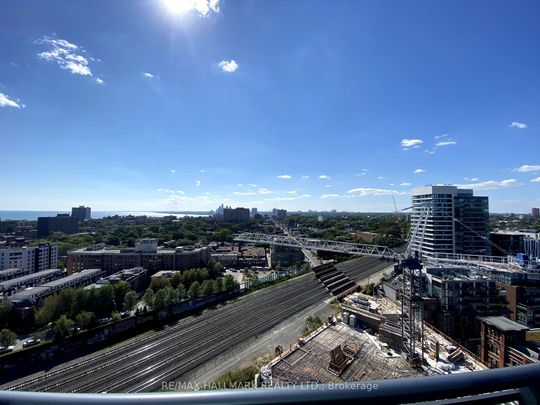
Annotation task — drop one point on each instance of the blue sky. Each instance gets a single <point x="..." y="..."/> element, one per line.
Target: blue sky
<point x="155" y="104"/>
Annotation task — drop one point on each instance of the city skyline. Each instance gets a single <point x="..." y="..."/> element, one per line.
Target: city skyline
<point x="167" y="105"/>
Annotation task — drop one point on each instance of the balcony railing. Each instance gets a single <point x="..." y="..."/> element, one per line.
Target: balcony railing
<point x="518" y="383"/>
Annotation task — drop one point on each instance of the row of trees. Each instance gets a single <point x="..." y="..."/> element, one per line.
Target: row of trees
<point x="164" y="292"/>
<point x="85" y="305"/>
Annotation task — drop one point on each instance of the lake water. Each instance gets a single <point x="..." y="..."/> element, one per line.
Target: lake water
<point x="33" y="215"/>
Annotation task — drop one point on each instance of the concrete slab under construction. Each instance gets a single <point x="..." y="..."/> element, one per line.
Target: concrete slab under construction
<point x="312" y="362"/>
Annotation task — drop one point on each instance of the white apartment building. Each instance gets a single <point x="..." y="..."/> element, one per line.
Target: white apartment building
<point x="31" y="259"/>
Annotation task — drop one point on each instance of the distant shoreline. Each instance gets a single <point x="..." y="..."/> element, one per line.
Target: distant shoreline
<point x="15" y="215"/>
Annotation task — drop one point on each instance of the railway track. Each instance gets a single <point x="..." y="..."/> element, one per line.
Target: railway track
<point x="141" y="364"/>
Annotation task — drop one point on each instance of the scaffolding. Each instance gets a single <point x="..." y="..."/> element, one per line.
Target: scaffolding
<point x="412" y="311"/>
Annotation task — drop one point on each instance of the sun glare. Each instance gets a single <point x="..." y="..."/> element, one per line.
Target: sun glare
<point x="178" y="6"/>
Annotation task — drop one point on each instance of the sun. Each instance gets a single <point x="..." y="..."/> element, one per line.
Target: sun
<point x="178" y="6"/>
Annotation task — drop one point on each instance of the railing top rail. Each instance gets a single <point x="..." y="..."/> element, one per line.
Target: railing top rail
<point x="389" y="391"/>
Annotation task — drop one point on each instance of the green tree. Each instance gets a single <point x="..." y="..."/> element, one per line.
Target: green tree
<point x="5" y="312"/>
<point x="162" y="298"/>
<point x="7" y="338"/>
<point x="85" y="319"/>
<point x="208" y="288"/>
<point x="220" y="286"/>
<point x="63" y="325"/>
<point x="120" y="290"/>
<point x="130" y="300"/>
<point x="48" y="310"/>
<point x="158" y="283"/>
<point x="194" y="290"/>
<point x="105" y="299"/>
<point x="149" y="298"/>
<point x="176" y="279"/>
<point x="182" y="291"/>
<point x="115" y="316"/>
<point x="229" y="282"/>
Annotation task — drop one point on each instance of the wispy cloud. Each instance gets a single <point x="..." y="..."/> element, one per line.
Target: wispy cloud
<point x="363" y="172"/>
<point x="407" y="144"/>
<point x="284" y="176"/>
<point x="5" y="101"/>
<point x="519" y="125"/>
<point x="166" y="190"/>
<point x="324" y="177"/>
<point x="264" y="191"/>
<point x="305" y="176"/>
<point x="197" y="183"/>
<point x="244" y="193"/>
<point x="405" y="183"/>
<point x="67" y="55"/>
<point x="536" y="180"/>
<point x="527" y="168"/>
<point x="445" y="143"/>
<point x="418" y="171"/>
<point x="441" y="136"/>
<point x="229" y="66"/>
<point x="362" y="191"/>
<point x="148" y="75"/>
<point x="328" y="196"/>
<point x="471" y="178"/>
<point x="491" y="184"/>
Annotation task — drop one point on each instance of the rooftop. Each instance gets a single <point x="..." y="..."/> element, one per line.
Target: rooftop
<point x="503" y="324"/>
<point x="310" y="362"/>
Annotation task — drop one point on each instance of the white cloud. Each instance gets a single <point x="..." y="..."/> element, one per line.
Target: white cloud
<point x="362" y="191"/>
<point x="441" y="136"/>
<point x="197" y="183"/>
<point x="324" y="177"/>
<point x="66" y="55"/>
<point x="327" y="196"/>
<point x="491" y="184"/>
<point x="536" y="180"/>
<point x="244" y="193"/>
<point x="381" y="177"/>
<point x="148" y="75"/>
<point x="291" y="192"/>
<point x="527" y="168"/>
<point x="471" y="178"/>
<point x="405" y="183"/>
<point x="362" y="173"/>
<point x="285" y="176"/>
<point x="264" y="191"/>
<point x="520" y="125"/>
<point x="99" y="81"/>
<point x="5" y="101"/>
<point x="252" y="185"/>
<point x="229" y="66"/>
<point x="407" y="144"/>
<point x="173" y="171"/>
<point x="305" y="177"/>
<point x="417" y="171"/>
<point x="202" y="171"/>
<point x="445" y="143"/>
<point x="166" y="190"/>
<point x="203" y="7"/>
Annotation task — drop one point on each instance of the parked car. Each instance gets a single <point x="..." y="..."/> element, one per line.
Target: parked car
<point x="4" y="349"/>
<point x="31" y="342"/>
<point x="103" y="321"/>
<point x="125" y="314"/>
